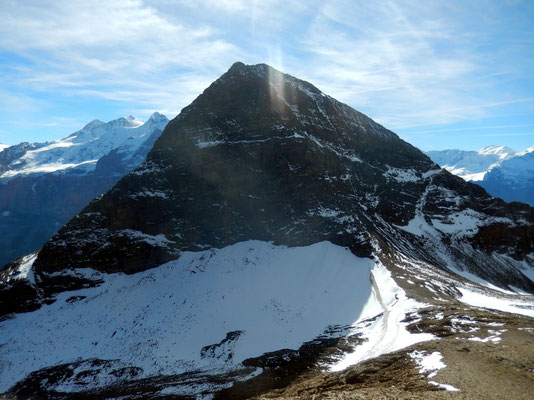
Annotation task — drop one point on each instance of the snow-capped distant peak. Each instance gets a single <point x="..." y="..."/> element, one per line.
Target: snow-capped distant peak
<point x="92" y="125"/>
<point x="84" y="148"/>
<point x="133" y="120"/>
<point x="526" y="151"/>
<point x="158" y="116"/>
<point x="502" y="171"/>
<point x="4" y="146"/>
<point x="158" y="120"/>
<point x="127" y="122"/>
<point x="502" y="151"/>
<point x="472" y="165"/>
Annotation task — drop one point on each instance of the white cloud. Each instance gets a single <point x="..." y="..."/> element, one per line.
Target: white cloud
<point x="251" y="7"/>
<point x="119" y="49"/>
<point x="91" y="26"/>
<point x="405" y="63"/>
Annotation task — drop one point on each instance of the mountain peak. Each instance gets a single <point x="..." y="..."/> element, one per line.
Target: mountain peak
<point x="273" y="76"/>
<point x="157" y="117"/>
<point x="501" y="151"/>
<point x="128" y="122"/>
<point x="261" y="71"/>
<point x="93" y="124"/>
<point x="263" y="97"/>
<point x="246" y="154"/>
<point x="237" y="66"/>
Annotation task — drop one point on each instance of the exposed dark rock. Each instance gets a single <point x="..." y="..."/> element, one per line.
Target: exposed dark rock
<point x="224" y="350"/>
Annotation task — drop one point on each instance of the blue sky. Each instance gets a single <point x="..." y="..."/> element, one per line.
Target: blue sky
<point x="441" y="74"/>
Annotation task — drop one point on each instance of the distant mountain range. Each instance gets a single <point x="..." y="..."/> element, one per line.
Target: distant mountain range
<point x="502" y="171"/>
<point x="43" y="185"/>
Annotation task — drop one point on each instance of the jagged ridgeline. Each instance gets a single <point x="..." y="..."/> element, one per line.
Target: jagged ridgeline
<point x="263" y="155"/>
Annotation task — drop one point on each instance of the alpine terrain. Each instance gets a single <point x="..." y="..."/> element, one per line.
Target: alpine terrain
<point x="500" y="170"/>
<point x="276" y="243"/>
<point x="471" y="165"/>
<point x="43" y="185"/>
<point x="513" y="178"/>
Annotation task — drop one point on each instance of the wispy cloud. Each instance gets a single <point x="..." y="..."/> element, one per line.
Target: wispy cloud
<point x="249" y="7"/>
<point x="465" y="129"/>
<point x="121" y="49"/>
<point x="391" y="61"/>
<point x="507" y="134"/>
<point x="408" y="64"/>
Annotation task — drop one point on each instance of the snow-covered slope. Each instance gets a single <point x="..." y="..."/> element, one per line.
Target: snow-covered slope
<point x="209" y="310"/>
<point x="82" y="149"/>
<point x="471" y="165"/>
<point x="194" y="325"/>
<point x="512" y="179"/>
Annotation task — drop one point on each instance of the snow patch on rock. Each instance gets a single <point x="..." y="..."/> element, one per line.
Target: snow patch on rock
<point x="429" y="365"/>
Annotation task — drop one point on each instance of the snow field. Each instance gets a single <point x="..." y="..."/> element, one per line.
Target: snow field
<point x="477" y="298"/>
<point x="380" y="321"/>
<point x="160" y="319"/>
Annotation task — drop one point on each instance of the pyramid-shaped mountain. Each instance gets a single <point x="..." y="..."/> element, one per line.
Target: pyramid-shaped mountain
<point x="272" y="238"/>
<point x="263" y="155"/>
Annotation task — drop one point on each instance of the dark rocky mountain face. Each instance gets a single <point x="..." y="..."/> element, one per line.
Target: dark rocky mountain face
<point x="262" y="155"/>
